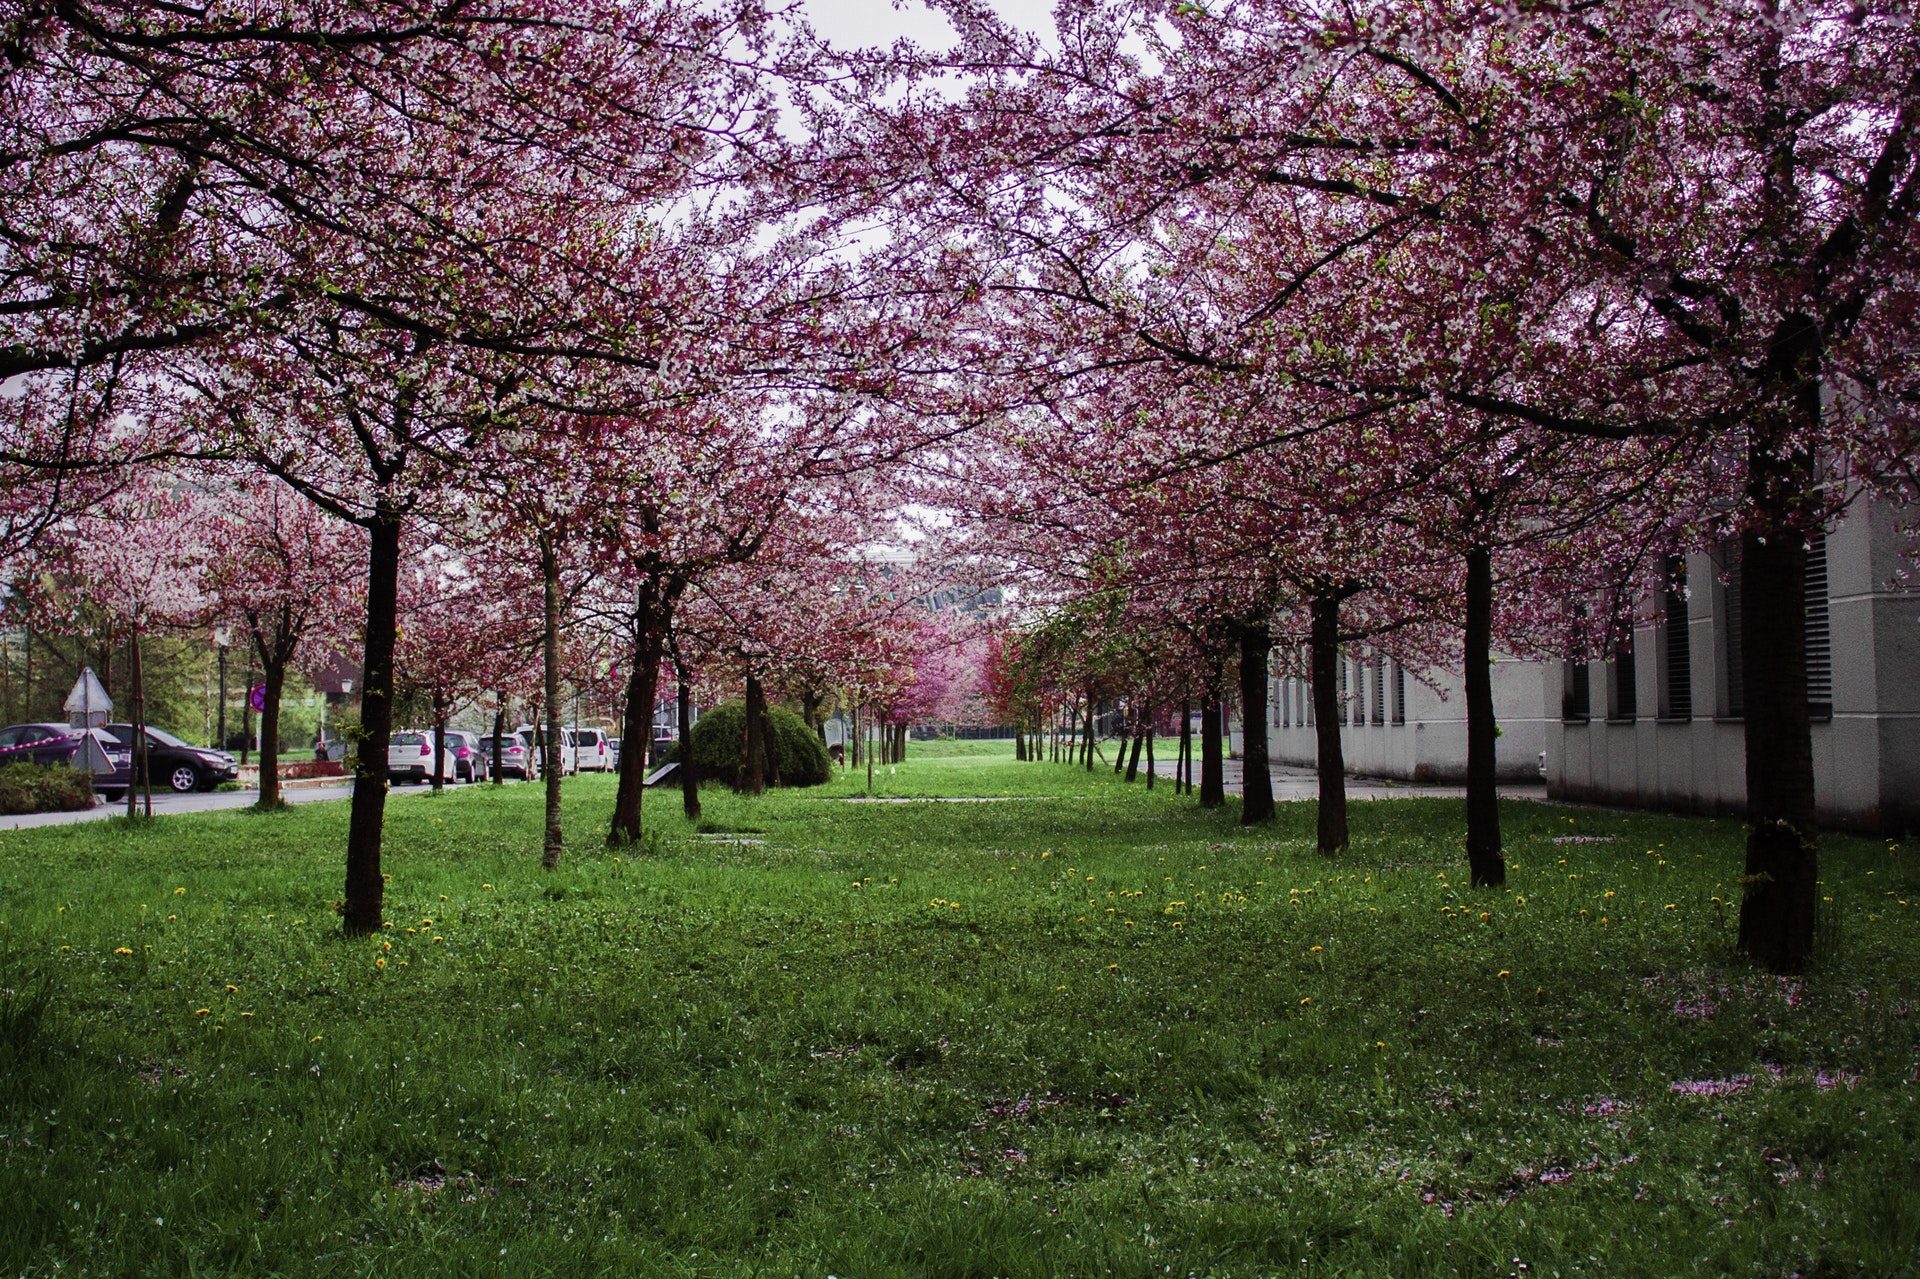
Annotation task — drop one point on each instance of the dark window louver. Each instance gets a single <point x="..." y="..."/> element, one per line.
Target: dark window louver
<point x="1677" y="635"/>
<point x="1819" y="633"/>
<point x="1399" y="693"/>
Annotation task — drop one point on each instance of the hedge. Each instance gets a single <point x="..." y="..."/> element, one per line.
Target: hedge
<point x="716" y="746"/>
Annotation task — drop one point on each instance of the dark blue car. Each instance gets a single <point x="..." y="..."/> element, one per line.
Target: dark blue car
<point x="92" y="749"/>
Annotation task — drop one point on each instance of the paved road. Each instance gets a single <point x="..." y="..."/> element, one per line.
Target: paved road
<point x="207" y="802"/>
<point x="1291" y="783"/>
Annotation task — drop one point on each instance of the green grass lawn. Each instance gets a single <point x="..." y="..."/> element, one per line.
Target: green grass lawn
<point x="1082" y="1030"/>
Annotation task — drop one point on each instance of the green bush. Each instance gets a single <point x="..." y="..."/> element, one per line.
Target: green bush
<point x="44" y="788"/>
<point x="716" y="746"/>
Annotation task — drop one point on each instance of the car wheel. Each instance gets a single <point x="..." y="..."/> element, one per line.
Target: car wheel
<point x="462" y="774"/>
<point x="184" y="779"/>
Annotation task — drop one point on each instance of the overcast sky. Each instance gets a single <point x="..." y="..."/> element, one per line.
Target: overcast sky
<point x="858" y="22"/>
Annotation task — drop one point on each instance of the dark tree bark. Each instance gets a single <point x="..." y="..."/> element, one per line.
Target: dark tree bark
<point x="1323" y="644"/>
<point x="650" y="623"/>
<point x="1020" y="745"/>
<point x="438" y="763"/>
<point x="1183" y="766"/>
<point x="365" y="889"/>
<point x="553" y="841"/>
<point x="1086" y="746"/>
<point x="1213" y="768"/>
<point x="1256" y="784"/>
<point x="1484" y="859"/>
<point x="137" y="705"/>
<point x="753" y="746"/>
<point x="1782" y="868"/>
<point x="689" y="779"/>
<point x="499" y="733"/>
<point x="1149" y="748"/>
<point x="274" y="675"/>
<point x="1133" y="758"/>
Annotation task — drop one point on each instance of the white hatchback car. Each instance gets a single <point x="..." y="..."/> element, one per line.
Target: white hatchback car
<point x="410" y="757"/>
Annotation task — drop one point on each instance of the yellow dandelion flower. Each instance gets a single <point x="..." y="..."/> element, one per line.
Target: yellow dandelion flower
<point x="1113" y="968"/>
<point x="1314" y="950"/>
<point x="201" y="1012"/>
<point x="179" y="892"/>
<point x="1671" y="906"/>
<point x="1485" y="916"/>
<point x="380" y="962"/>
<point x="1306" y="1001"/>
<point x="486" y="885"/>
<point x="316" y="1039"/>
<point x="123" y="950"/>
<point x="437" y="937"/>
<point x="172" y="919"/>
<point x="386" y="945"/>
<point x="1506" y="972"/>
<point x="232" y="989"/>
<point x="246" y="1016"/>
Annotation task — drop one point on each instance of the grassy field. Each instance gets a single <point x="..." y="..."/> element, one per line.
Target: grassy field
<point x="1082" y="1030"/>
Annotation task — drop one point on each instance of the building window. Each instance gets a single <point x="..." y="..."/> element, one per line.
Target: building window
<point x="1359" y="715"/>
<point x="1399" y="693"/>
<point x="1379" y="690"/>
<point x="1623" y="698"/>
<point x="1576" y="695"/>
<point x="1819" y="633"/>
<point x="1676" y="638"/>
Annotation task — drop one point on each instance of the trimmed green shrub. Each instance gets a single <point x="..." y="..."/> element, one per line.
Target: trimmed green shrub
<point x="716" y="746"/>
<point x="44" y="788"/>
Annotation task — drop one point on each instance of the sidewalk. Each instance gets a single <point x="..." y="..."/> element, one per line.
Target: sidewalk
<point x="1291" y="782"/>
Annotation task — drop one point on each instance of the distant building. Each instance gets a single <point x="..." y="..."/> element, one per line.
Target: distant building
<point x="1659" y="724"/>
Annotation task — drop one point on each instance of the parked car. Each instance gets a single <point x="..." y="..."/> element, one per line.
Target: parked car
<point x="569" y="762"/>
<point x="180" y="765"/>
<point x="97" y="750"/>
<point x="590" y="750"/>
<point x="469" y="755"/>
<point x="517" y="758"/>
<point x="410" y="756"/>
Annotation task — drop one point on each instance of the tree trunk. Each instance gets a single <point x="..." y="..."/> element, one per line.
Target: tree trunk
<point x="437" y="765"/>
<point x="499" y="732"/>
<point x="365" y="889"/>
<point x="274" y="669"/>
<point x="1020" y="745"/>
<point x="689" y="779"/>
<point x="1149" y="748"/>
<point x="1120" y="751"/>
<point x="553" y="841"/>
<point x="1781" y="885"/>
<point x="1213" y="776"/>
<point x="643" y="680"/>
<point x="1183" y="767"/>
<point x="1139" y="741"/>
<point x="1323" y="645"/>
<point x="1484" y="859"/>
<point x="753" y="746"/>
<point x="1256" y="785"/>
<point x="142" y="757"/>
<point x="1086" y="746"/>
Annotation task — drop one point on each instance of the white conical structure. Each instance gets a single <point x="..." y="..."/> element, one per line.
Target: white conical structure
<point x="88" y="705"/>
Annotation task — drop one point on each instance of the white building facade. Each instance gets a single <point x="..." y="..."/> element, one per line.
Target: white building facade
<point x="1659" y="724"/>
